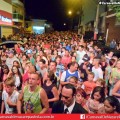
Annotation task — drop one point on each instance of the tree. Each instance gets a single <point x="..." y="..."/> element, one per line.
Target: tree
<point x="116" y="8"/>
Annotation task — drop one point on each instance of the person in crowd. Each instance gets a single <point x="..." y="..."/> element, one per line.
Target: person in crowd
<point x="33" y="96"/>
<point x="116" y="90"/>
<point x="81" y="98"/>
<point x="103" y="64"/>
<point x="15" y="73"/>
<point x="92" y="56"/>
<point x="112" y="105"/>
<point x="4" y="72"/>
<point x="74" y="81"/>
<point x="80" y="53"/>
<point x="115" y="76"/>
<point x="24" y="60"/>
<point x="18" y="65"/>
<point x="42" y="66"/>
<point x="66" y="59"/>
<point x="53" y="68"/>
<point x="85" y="67"/>
<point x="17" y="49"/>
<point x="108" y="71"/>
<point x="95" y="103"/>
<point x="72" y="71"/>
<point x="109" y="56"/>
<point x="29" y="68"/>
<point x="100" y="82"/>
<point x="113" y="44"/>
<point x="89" y="85"/>
<point x="96" y="69"/>
<point x="67" y="103"/>
<point x="30" y="56"/>
<point x="37" y="62"/>
<point x="11" y="58"/>
<point x="60" y="67"/>
<point x="9" y="97"/>
<point x="53" y="57"/>
<point x="49" y="86"/>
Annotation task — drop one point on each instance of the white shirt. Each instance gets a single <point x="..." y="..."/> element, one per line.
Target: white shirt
<point x="17" y="81"/>
<point x="80" y="55"/>
<point x="97" y="72"/>
<point x="9" y="61"/>
<point x="13" y="98"/>
<point x="70" y="108"/>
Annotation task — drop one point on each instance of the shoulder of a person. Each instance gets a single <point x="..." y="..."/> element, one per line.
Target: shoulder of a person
<point x="4" y="92"/>
<point x="86" y="82"/>
<point x="64" y="72"/>
<point x="58" y="103"/>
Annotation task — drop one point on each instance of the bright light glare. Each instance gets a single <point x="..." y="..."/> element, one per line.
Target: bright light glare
<point x="38" y="28"/>
<point x="69" y="12"/>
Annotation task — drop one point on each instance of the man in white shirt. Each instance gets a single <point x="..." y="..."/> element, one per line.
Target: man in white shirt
<point x="9" y="97"/>
<point x="96" y="69"/>
<point x="80" y="53"/>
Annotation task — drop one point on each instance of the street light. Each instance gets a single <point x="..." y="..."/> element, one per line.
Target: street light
<point x="69" y="12"/>
<point x="64" y="24"/>
<point x="71" y="18"/>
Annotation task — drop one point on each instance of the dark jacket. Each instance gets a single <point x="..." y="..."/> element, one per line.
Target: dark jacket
<point x="58" y="107"/>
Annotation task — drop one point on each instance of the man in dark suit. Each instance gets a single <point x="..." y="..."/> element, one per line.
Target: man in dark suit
<point x="67" y="103"/>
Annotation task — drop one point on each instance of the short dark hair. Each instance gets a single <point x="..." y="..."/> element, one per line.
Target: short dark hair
<point x="111" y="62"/>
<point x="58" y="56"/>
<point x="73" y="63"/>
<point x="43" y="61"/>
<point x="69" y="86"/>
<point x="54" y="62"/>
<point x="101" y="91"/>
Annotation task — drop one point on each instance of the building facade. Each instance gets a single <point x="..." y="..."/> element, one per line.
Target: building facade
<point x="37" y="26"/>
<point x="6" y="22"/>
<point x="112" y="27"/>
<point x="18" y="11"/>
<point x="11" y="17"/>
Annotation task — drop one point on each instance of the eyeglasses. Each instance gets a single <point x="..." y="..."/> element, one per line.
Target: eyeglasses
<point x="66" y="97"/>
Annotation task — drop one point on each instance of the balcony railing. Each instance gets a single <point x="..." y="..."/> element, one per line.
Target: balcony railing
<point x="17" y="16"/>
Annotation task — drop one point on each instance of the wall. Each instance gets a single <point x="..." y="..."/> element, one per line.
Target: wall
<point x="114" y="31"/>
<point x="6" y="31"/>
<point x="5" y="6"/>
<point x="6" y="9"/>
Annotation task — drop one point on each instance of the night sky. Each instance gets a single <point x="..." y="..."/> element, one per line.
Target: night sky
<point x="51" y="10"/>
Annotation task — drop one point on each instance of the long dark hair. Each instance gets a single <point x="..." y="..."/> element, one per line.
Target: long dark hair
<point x="113" y="101"/>
<point x="19" y="74"/>
<point x="52" y="77"/>
<point x="2" y="73"/>
<point x="101" y="91"/>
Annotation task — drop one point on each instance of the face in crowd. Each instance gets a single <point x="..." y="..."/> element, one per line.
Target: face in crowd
<point x="33" y="80"/>
<point x="67" y="96"/>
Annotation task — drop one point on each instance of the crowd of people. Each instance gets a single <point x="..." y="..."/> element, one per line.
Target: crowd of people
<point x="59" y="73"/>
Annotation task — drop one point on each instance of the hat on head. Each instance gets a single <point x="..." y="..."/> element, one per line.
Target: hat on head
<point x="29" y="51"/>
<point x="10" y="51"/>
<point x="86" y="57"/>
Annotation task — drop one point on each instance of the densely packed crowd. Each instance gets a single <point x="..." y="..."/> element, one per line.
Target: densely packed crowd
<point x="59" y="72"/>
